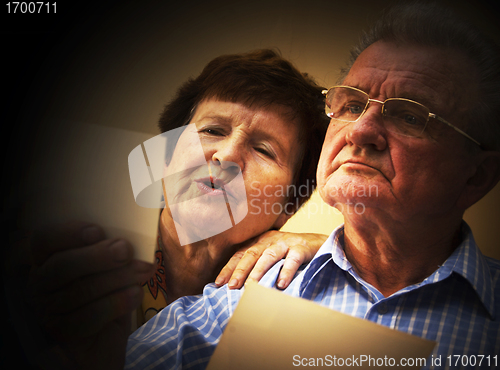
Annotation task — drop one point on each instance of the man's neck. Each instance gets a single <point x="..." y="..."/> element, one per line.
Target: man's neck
<point x="392" y="258"/>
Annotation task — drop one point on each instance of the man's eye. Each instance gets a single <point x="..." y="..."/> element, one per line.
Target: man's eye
<point x="411" y="120"/>
<point x="409" y="113"/>
<point x="355" y="109"/>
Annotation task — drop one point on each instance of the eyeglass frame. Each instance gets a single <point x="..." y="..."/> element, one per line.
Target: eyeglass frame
<point x="431" y="115"/>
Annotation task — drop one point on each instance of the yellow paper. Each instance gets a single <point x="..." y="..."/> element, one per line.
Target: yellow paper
<point x="272" y="330"/>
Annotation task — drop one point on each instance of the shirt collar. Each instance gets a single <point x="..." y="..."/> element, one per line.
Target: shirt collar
<point x="466" y="261"/>
<point x="323" y="256"/>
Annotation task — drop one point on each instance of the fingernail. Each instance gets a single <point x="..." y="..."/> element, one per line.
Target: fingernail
<point x="233" y="283"/>
<point x="91" y="235"/>
<point x="120" y="251"/>
<point x="281" y="284"/>
<point x="219" y="281"/>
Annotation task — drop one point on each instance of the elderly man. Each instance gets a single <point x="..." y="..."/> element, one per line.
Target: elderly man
<point x="413" y="141"/>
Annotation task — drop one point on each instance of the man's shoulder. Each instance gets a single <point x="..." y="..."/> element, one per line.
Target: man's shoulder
<point x="494" y="266"/>
<point x="493" y="262"/>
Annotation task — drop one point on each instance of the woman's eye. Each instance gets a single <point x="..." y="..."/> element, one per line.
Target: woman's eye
<point x="212" y="132"/>
<point x="265" y="152"/>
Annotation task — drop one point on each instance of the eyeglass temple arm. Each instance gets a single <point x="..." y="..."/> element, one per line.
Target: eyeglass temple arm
<point x="432" y="115"/>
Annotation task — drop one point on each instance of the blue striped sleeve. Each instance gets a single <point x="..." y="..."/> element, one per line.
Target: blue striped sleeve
<point x="184" y="334"/>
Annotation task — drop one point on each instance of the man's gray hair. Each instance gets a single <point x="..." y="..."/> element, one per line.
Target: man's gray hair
<point x="430" y="24"/>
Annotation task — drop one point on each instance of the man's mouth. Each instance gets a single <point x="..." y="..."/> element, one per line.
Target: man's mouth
<point x="361" y="166"/>
<point x="356" y="163"/>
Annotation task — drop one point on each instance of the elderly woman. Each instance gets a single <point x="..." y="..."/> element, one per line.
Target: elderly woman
<point x="260" y="125"/>
<point x="257" y="116"/>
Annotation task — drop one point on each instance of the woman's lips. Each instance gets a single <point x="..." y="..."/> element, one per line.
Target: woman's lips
<point x="207" y="186"/>
<point x="214" y="186"/>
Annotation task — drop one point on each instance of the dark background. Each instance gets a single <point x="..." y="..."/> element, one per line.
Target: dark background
<point x="117" y="62"/>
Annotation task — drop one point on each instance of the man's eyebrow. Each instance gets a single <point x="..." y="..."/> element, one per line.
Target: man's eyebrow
<point x="427" y="98"/>
<point x="419" y="98"/>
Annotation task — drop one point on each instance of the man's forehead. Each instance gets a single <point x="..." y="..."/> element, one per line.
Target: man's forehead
<point x="428" y="75"/>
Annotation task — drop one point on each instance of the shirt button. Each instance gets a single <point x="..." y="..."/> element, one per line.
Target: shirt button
<point x="382" y="308"/>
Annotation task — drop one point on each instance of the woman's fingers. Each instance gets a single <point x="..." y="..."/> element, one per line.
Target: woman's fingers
<point x="60" y="237"/>
<point x="93" y="287"/>
<point x="268" y="259"/>
<point x="295" y="257"/>
<point x="65" y="266"/>
<point x="224" y="276"/>
<point x="255" y="262"/>
<point x="82" y="281"/>
<point x="258" y="255"/>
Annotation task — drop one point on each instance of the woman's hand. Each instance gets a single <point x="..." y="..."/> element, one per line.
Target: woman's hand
<point x="83" y="289"/>
<point x="259" y="254"/>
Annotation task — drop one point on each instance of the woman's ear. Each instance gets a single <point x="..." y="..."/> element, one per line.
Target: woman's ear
<point x="486" y="176"/>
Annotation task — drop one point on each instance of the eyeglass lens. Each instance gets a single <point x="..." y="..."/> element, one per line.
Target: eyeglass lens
<point x="407" y="117"/>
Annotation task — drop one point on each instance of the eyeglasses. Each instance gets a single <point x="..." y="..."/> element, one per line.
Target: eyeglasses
<point x="407" y="117"/>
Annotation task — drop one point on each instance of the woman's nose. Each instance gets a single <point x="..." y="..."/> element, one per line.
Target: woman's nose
<point x="229" y="155"/>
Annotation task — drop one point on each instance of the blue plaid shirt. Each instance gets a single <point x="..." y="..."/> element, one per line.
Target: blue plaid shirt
<point x="458" y="306"/>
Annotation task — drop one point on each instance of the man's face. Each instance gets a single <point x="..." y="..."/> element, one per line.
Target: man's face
<point x="367" y="170"/>
<point x="256" y="145"/>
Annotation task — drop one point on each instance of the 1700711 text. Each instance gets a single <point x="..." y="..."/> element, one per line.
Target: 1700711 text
<point x="32" y="7"/>
<point x="466" y="360"/>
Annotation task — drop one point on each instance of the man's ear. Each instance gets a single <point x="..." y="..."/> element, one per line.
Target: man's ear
<point x="485" y="178"/>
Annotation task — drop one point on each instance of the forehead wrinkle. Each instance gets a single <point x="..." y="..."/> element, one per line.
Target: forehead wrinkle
<point x="409" y="85"/>
<point x="432" y="89"/>
<point x="434" y="84"/>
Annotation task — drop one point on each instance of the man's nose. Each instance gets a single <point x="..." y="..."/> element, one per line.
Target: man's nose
<point x="369" y="129"/>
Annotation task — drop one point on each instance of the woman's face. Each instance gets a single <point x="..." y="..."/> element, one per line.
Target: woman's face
<point x="230" y="172"/>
